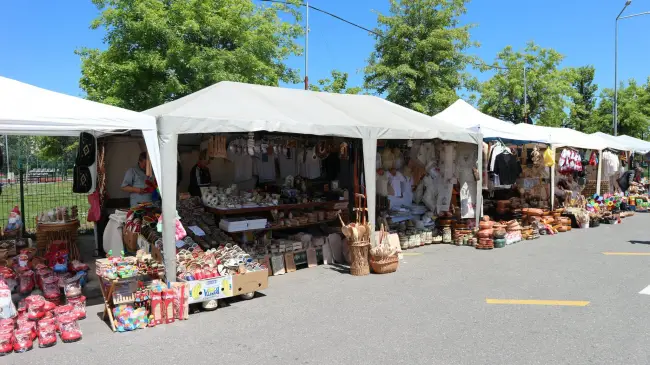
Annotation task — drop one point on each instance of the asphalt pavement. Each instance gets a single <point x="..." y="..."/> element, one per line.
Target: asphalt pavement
<point x="434" y="310"/>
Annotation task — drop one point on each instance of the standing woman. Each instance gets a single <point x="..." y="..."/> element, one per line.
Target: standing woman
<point x="200" y="175"/>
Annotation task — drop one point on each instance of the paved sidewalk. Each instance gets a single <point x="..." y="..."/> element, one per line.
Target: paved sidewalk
<point x="432" y="311"/>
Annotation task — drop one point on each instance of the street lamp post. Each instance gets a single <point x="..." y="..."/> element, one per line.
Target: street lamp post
<point x="615" y="112"/>
<point x="619" y="17"/>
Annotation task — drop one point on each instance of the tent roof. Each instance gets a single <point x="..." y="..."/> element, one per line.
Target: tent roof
<point x="462" y="114"/>
<point x="238" y="107"/>
<point x="30" y="110"/>
<point x="613" y="142"/>
<point x="560" y="137"/>
<point x="638" y="145"/>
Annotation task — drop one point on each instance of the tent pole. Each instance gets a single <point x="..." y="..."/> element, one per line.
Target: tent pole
<point x="169" y="156"/>
<point x="479" y="183"/>
<point x="552" y="180"/>
<point x="369" y="158"/>
<point x="600" y="169"/>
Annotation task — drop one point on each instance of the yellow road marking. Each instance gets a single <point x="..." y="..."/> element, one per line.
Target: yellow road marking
<point x="570" y="303"/>
<point x="412" y="253"/>
<point x="626" y="253"/>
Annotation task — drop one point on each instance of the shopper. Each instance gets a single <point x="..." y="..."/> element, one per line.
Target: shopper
<point x="200" y="175"/>
<point x="135" y="182"/>
<point x="628" y="177"/>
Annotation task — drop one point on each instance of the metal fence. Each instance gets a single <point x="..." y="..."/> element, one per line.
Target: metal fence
<point x="35" y="186"/>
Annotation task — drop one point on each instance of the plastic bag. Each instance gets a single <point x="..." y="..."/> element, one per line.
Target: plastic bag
<point x="94" y="213"/>
<point x="549" y="159"/>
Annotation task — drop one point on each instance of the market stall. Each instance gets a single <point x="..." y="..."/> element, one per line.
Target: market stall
<point x="46" y="279"/>
<point x="229" y="107"/>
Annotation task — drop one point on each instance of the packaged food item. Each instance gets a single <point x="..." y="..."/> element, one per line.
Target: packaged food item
<point x="69" y="328"/>
<point x="72" y="287"/>
<point x="6" y="343"/>
<point x="26" y="281"/>
<point x="7" y="308"/>
<point x="79" y="304"/>
<point x="46" y="336"/>
<point x="35" y="310"/>
<point x="23" y="340"/>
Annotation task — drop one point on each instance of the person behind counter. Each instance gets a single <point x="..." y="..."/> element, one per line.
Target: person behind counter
<point x="200" y="175"/>
<point x="628" y="177"/>
<point x="135" y="182"/>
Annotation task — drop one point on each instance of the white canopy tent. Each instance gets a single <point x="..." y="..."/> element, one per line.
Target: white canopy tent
<point x="462" y="114"/>
<point x="30" y="110"/>
<point x="613" y="142"/>
<point x="635" y="144"/>
<point x="238" y="107"/>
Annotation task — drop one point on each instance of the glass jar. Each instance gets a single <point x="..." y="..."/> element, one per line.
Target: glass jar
<point x="446" y="235"/>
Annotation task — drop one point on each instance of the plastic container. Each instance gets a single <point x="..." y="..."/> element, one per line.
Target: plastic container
<point x="69" y="328"/>
<point x="31" y="326"/>
<point x="47" y="336"/>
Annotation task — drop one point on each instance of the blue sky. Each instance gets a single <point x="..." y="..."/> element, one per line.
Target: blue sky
<point x="38" y="37"/>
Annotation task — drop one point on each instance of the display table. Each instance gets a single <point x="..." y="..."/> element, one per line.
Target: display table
<point x="48" y="232"/>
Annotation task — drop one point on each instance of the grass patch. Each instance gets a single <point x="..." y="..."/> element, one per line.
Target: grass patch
<point x="41" y="197"/>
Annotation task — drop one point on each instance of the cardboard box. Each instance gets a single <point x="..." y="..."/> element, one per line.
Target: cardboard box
<point x="249" y="282"/>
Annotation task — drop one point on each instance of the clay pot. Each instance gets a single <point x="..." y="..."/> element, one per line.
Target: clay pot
<point x="535" y="212"/>
<point x="485" y="233"/>
<point x="485" y="224"/>
<point x="503" y="204"/>
<point x="444" y="222"/>
<point x="486" y="218"/>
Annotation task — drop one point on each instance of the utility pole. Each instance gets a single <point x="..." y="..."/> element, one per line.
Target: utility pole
<point x="307" y="46"/>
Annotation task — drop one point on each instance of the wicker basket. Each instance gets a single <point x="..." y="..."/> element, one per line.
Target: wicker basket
<point x="359" y="258"/>
<point x="384" y="265"/>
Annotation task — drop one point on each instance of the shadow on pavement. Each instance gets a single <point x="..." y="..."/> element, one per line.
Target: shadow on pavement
<point x="634" y="242"/>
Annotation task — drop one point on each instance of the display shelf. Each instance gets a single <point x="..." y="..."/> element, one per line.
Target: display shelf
<point x="332" y="203"/>
<point x="279" y="228"/>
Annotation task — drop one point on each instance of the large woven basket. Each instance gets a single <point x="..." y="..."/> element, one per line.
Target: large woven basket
<point x="384" y="265"/>
<point x="359" y="258"/>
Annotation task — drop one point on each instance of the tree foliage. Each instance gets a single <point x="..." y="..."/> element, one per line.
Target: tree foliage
<point x="56" y="148"/>
<point x="338" y="83"/>
<point x="583" y="101"/>
<point x="633" y="110"/>
<point x="160" y="50"/>
<point x="419" y="59"/>
<point x="549" y="88"/>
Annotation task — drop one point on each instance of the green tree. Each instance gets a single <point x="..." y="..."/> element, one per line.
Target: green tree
<point x="56" y="148"/>
<point x="549" y="88"/>
<point x="419" y="59"/>
<point x="633" y="110"/>
<point x="160" y="50"/>
<point x="337" y="84"/>
<point x="584" y="99"/>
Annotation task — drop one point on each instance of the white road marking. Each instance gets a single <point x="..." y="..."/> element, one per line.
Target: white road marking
<point x="645" y="291"/>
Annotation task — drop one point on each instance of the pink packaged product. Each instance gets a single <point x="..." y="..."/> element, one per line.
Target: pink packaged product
<point x="26" y="281"/>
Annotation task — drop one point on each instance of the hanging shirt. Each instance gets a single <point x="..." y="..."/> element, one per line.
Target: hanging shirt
<point x="396" y="182"/>
<point x="243" y="164"/>
<point x="288" y="163"/>
<point x="310" y="164"/>
<point x="264" y="166"/>
<point x="507" y="167"/>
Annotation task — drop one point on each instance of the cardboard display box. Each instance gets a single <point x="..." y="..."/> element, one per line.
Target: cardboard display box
<point x="250" y="282"/>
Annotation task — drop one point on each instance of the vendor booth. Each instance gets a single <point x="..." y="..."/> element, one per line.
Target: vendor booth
<point x="47" y="277"/>
<point x="237" y="108"/>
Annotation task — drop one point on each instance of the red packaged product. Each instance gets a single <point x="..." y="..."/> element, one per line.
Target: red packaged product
<point x="69" y="328"/>
<point x="79" y="304"/>
<point x="35" y="310"/>
<point x="48" y="306"/>
<point x="9" y="322"/>
<point x="157" y="310"/>
<point x="6" y="343"/>
<point x="168" y="305"/>
<point x="47" y="336"/>
<point x="26" y="282"/>
<point x="23" y="340"/>
<point x="29" y="326"/>
<point x="46" y="322"/>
